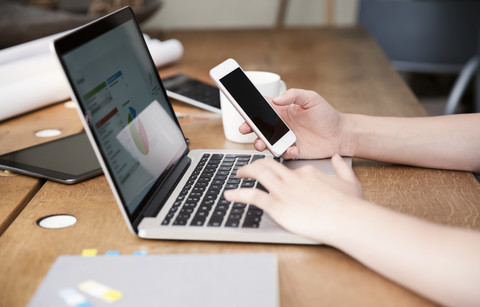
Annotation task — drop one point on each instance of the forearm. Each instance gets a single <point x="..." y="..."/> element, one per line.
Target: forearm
<point x="448" y="142"/>
<point x="438" y="262"/>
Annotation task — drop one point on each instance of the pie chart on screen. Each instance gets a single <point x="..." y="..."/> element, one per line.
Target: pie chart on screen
<point x="137" y="130"/>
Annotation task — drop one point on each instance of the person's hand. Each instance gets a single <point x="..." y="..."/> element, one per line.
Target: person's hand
<point x="317" y="125"/>
<point x="304" y="201"/>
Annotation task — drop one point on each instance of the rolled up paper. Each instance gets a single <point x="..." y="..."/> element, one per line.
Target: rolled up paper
<point x="32" y="48"/>
<point x="31" y="78"/>
<point x="166" y="52"/>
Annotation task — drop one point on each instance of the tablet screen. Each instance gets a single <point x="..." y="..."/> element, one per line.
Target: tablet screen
<point x="67" y="160"/>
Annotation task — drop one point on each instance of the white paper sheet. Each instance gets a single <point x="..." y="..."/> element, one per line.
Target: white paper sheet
<point x="31" y="78"/>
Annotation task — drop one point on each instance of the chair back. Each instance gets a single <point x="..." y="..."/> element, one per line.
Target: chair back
<point x="423" y="36"/>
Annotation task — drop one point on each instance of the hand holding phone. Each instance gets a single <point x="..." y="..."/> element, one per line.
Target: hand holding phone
<point x="252" y="106"/>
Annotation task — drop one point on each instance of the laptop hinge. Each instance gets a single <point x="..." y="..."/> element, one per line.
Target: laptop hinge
<point x="165" y="189"/>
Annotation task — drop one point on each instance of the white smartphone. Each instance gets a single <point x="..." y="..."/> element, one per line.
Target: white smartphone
<point x="253" y="107"/>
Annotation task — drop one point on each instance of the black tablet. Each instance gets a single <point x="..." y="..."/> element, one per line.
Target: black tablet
<point x="67" y="160"/>
<point x="193" y="91"/>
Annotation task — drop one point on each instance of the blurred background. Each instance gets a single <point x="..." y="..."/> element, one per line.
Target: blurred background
<point x="433" y="44"/>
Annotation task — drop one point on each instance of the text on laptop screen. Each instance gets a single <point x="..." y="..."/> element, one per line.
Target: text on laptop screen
<point x="126" y="109"/>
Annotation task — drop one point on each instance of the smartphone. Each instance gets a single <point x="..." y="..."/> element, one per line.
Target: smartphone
<point x="253" y="107"/>
<point x="193" y="91"/>
<point x="67" y="160"/>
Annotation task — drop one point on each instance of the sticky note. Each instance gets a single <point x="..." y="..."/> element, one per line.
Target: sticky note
<point x="112" y="253"/>
<point x="90" y="252"/>
<point x="100" y="291"/>
<point x="74" y="298"/>
<point x="139" y="253"/>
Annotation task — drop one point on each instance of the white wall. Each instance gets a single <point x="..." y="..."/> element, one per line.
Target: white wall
<point x="211" y="14"/>
<point x="346" y="12"/>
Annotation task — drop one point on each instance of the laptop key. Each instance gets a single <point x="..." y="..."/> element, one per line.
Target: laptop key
<point x="232" y="223"/>
<point x="247" y="184"/>
<point x="222" y="207"/>
<point x="231" y="186"/>
<point x="251" y="222"/>
<point x="233" y="180"/>
<point x="254" y="211"/>
<point x="216" y="157"/>
<point x="198" y="221"/>
<point x="239" y="205"/>
<point x="186" y="210"/>
<point x="202" y="213"/>
<point x="239" y="211"/>
<point x="219" y="212"/>
<point x="180" y="222"/>
<point x="253" y="217"/>
<point x="215" y="221"/>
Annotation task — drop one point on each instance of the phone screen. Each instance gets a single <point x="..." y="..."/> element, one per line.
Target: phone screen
<point x="254" y="105"/>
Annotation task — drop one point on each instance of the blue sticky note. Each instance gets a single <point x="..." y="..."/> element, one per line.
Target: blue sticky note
<point x="139" y="253"/>
<point x="112" y="253"/>
<point x="74" y="298"/>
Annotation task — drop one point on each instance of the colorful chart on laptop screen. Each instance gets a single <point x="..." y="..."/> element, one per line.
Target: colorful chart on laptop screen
<point x="138" y="132"/>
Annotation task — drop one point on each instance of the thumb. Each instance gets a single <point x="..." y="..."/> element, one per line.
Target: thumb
<point x="343" y="170"/>
<point x="302" y="98"/>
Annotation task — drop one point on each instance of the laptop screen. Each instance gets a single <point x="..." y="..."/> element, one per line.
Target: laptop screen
<point x="124" y="104"/>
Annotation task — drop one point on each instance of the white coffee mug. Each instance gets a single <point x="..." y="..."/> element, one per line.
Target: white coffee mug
<point x="268" y="84"/>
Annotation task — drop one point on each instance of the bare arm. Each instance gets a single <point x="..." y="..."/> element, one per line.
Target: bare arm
<point x="448" y="142"/>
<point x="438" y="262"/>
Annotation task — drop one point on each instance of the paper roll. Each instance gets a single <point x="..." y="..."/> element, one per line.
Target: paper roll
<point x="165" y="52"/>
<point x="32" y="48"/>
<point x="34" y="79"/>
<point x="32" y="93"/>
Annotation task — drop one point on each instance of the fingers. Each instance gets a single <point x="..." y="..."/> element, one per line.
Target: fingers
<point x="344" y="171"/>
<point x="245" y="128"/>
<point x="248" y="196"/>
<point x="299" y="97"/>
<point x="264" y="170"/>
<point x="292" y="152"/>
<point x="259" y="145"/>
<point x="271" y="174"/>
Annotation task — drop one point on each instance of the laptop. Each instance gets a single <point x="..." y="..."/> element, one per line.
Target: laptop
<point x="163" y="189"/>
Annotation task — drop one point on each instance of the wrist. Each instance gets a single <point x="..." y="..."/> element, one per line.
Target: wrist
<point x="341" y="226"/>
<point x="348" y="135"/>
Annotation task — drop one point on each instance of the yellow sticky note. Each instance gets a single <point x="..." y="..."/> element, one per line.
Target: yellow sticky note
<point x="89" y="252"/>
<point x="112" y="295"/>
<point x="101" y="291"/>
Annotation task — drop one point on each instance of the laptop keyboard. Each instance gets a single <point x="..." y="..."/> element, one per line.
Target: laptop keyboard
<point x="201" y="201"/>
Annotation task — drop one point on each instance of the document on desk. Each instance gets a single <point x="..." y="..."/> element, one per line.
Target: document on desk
<point x="161" y="280"/>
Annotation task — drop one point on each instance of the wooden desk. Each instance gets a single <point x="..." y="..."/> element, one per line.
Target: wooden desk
<point x="17" y="190"/>
<point x="347" y="68"/>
